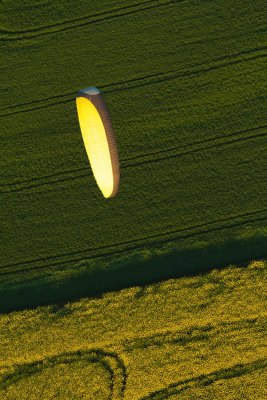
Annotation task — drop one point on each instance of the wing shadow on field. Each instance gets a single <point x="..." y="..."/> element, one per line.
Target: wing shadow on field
<point x="137" y="269"/>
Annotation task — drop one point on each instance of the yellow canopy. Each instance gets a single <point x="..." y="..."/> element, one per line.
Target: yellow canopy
<point x="99" y="140"/>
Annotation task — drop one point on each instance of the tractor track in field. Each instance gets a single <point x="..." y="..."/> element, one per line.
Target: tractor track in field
<point x="112" y="362"/>
<point x="145" y="80"/>
<point x="207" y="379"/>
<point x="183" y="71"/>
<point x="8" y="35"/>
<point x="221" y="141"/>
<point x="199" y="333"/>
<point x="118" y="375"/>
<point x="42" y="179"/>
<point x="138" y="160"/>
<point x="163" y="77"/>
<point x="53" y="100"/>
<point x="131" y="245"/>
<point x="192" y="334"/>
<point x="180" y="154"/>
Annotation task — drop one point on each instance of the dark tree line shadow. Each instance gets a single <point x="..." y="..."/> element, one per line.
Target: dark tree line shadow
<point x="137" y="269"/>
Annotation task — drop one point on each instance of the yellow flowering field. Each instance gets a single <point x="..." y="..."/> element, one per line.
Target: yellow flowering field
<point x="201" y="337"/>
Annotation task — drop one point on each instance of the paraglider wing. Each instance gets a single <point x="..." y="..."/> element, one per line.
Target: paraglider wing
<point x="99" y="139"/>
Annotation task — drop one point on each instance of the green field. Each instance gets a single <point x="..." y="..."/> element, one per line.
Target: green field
<point x="189" y="338"/>
<point x="185" y="82"/>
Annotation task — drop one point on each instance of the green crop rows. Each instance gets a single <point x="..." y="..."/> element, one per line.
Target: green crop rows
<point x="185" y="82"/>
<point x="198" y="337"/>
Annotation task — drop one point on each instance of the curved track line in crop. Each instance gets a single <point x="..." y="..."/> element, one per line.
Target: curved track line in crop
<point x="145" y="80"/>
<point x="135" y="244"/>
<point x="139" y="159"/>
<point x="118" y="375"/>
<point x="207" y="379"/>
<point x="7" y="35"/>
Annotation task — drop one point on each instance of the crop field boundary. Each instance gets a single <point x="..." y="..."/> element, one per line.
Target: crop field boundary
<point x="143" y="242"/>
<point x="134" y="269"/>
<point x="184" y="81"/>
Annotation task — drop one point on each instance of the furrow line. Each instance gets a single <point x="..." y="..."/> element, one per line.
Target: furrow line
<point x="191" y="334"/>
<point x="173" y="71"/>
<point x="180" y="154"/>
<point x="135" y="244"/>
<point x="207" y="379"/>
<point x="40" y="107"/>
<point x="145" y="80"/>
<point x="139" y="160"/>
<point x="13" y="188"/>
<point x="83" y="21"/>
<point x="197" y="143"/>
<point x="78" y="19"/>
<point x="186" y="74"/>
<point x="60" y="174"/>
<point x="50" y="100"/>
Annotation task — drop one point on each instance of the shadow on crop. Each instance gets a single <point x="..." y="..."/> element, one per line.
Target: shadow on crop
<point x="138" y="269"/>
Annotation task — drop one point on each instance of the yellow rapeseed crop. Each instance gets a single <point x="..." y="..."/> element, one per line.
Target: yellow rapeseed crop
<point x="201" y="337"/>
